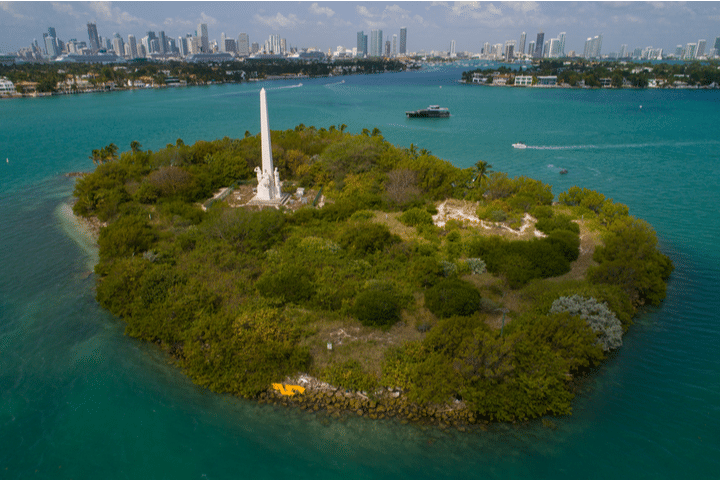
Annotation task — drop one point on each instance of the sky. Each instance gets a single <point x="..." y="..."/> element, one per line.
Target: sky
<point x="326" y="25"/>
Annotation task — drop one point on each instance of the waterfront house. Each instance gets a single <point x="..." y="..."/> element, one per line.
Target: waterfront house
<point x="523" y="80"/>
<point x="547" y="81"/>
<point x="7" y="88"/>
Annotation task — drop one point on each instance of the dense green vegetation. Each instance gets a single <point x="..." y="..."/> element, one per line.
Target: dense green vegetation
<point x="242" y="298"/>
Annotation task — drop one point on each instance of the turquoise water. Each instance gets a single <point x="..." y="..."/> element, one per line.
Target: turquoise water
<point x="80" y="400"/>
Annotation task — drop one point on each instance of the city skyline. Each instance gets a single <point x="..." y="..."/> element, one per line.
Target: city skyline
<point x="431" y="26"/>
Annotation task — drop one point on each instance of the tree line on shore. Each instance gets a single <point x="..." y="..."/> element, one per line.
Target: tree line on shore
<point x="694" y="74"/>
<point x="48" y="75"/>
<point x="241" y="297"/>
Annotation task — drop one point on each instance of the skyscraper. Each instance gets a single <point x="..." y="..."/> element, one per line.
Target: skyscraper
<point x="452" y="48"/>
<point x="394" y="46"/>
<point x="243" y="45"/>
<point x="539" y="43"/>
<point x="717" y="46"/>
<point x="561" y="37"/>
<point x="531" y="48"/>
<point x="133" y="46"/>
<point x="162" y="42"/>
<point x="387" y="48"/>
<point x="376" y="43"/>
<point x="93" y="36"/>
<point x="701" y="48"/>
<point x="118" y="45"/>
<point x="202" y="33"/>
<point x="521" y="47"/>
<point x="403" y="40"/>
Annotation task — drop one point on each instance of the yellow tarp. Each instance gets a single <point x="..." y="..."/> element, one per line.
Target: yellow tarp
<point x="288" y="390"/>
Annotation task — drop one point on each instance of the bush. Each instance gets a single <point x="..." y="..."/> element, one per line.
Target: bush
<point x="476" y="265"/>
<point x="367" y="238"/>
<point x="289" y="284"/>
<point x="558" y="222"/>
<point x="597" y="315"/>
<point x="416" y="216"/>
<point x="378" y="307"/>
<point x="452" y="297"/>
<point x="127" y="236"/>
<point x="349" y="375"/>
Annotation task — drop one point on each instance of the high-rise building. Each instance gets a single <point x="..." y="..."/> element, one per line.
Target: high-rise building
<point x="50" y="46"/>
<point x="243" y="45"/>
<point x="539" y="43"/>
<point x="561" y="37"/>
<point x="51" y="32"/>
<point x="132" y="45"/>
<point x="376" y="43"/>
<point x="118" y="45"/>
<point x="701" y="48"/>
<point x="93" y="36"/>
<point x="202" y="33"/>
<point x="452" y="48"/>
<point x="387" y="48"/>
<point x="254" y="47"/>
<point x="531" y="48"/>
<point x="521" y="47"/>
<point x="486" y="49"/>
<point x="222" y="42"/>
<point x="690" y="51"/>
<point x="717" y="46"/>
<point x="593" y="47"/>
<point x="554" y="48"/>
<point x="394" y="46"/>
<point x="509" y="50"/>
<point x="623" y="50"/>
<point x="403" y="40"/>
<point x="678" y="51"/>
<point x="162" y="42"/>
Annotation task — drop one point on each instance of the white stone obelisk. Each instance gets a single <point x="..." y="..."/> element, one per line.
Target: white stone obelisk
<point x="268" y="179"/>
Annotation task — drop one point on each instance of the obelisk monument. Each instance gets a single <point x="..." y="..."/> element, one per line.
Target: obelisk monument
<point x="268" y="188"/>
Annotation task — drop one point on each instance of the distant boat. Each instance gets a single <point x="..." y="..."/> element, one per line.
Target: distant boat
<point x="563" y="171"/>
<point x="519" y="145"/>
<point x="433" y="111"/>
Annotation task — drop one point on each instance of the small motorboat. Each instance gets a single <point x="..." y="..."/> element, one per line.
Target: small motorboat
<point x="563" y="171"/>
<point x="519" y="145"/>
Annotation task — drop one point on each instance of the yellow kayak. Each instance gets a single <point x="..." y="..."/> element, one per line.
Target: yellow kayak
<point x="288" y="390"/>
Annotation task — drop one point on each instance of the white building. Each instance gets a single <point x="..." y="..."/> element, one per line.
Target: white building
<point x="7" y="88"/>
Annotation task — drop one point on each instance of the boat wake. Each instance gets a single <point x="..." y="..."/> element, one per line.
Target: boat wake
<point x="609" y="147"/>
<point x="285" y="87"/>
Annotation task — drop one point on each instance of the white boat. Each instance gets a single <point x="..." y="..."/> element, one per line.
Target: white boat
<point x="519" y="145"/>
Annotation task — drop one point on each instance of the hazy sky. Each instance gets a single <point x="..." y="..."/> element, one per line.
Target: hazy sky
<point x="431" y="25"/>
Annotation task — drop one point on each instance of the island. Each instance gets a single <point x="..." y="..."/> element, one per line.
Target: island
<point x="376" y="280"/>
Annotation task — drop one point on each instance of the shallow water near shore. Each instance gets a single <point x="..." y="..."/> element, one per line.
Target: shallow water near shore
<point x="78" y="399"/>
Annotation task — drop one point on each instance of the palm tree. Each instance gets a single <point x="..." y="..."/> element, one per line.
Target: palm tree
<point x="135" y="146"/>
<point x="482" y="168"/>
<point x="343" y="127"/>
<point x="96" y="157"/>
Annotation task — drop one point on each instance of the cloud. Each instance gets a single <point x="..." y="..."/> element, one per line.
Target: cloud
<point x="279" y="21"/>
<point x="315" y="9"/>
<point x="114" y="15"/>
<point x="364" y="12"/>
<point x="6" y="7"/>
<point x="207" y="19"/>
<point x="67" y="9"/>
<point x="524" y="7"/>
<point x="178" y="23"/>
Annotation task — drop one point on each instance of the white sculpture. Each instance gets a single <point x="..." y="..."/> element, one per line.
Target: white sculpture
<point x="268" y="177"/>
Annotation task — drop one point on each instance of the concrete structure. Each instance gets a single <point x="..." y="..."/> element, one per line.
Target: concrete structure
<point x="523" y="80"/>
<point x="403" y="41"/>
<point x="268" y="189"/>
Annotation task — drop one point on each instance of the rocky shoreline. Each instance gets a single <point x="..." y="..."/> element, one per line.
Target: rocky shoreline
<point x="339" y="403"/>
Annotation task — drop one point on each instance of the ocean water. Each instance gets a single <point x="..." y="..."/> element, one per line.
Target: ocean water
<point x="80" y="400"/>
